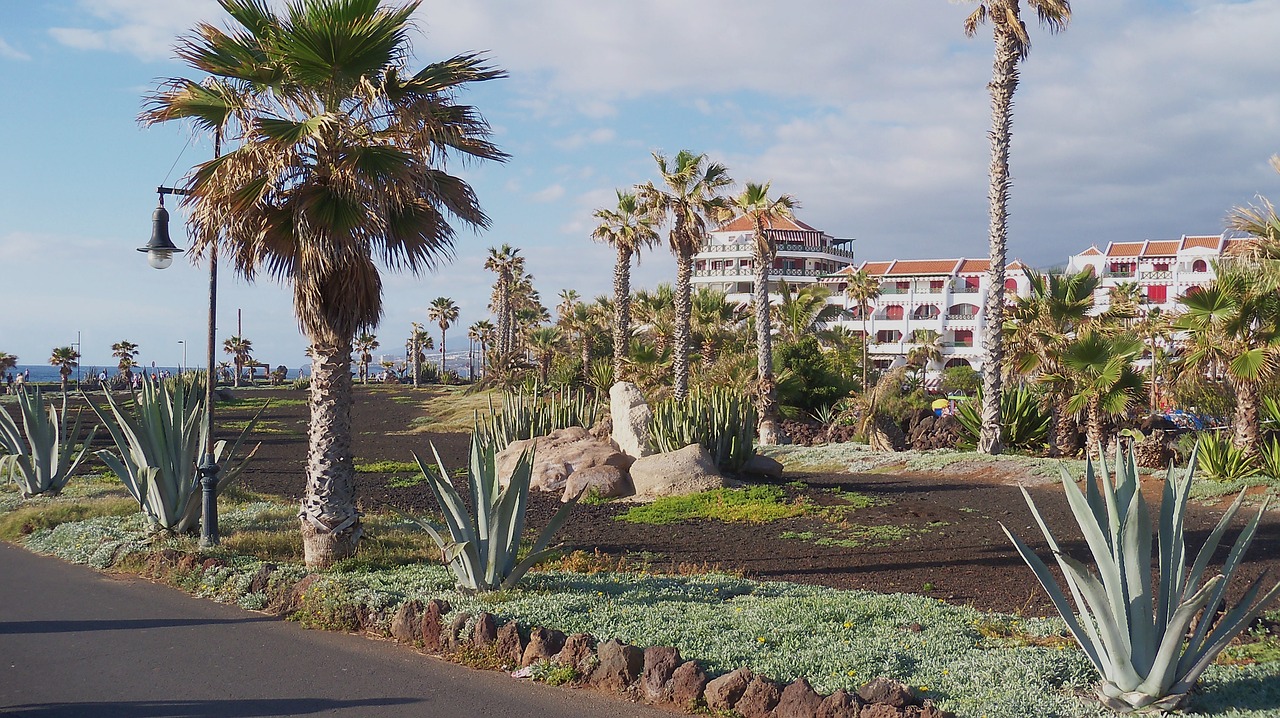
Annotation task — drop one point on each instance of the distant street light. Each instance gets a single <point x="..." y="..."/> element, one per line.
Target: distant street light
<point x="182" y="367"/>
<point x="160" y="251"/>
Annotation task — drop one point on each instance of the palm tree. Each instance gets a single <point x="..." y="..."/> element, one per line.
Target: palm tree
<point x="365" y="344"/>
<point x="928" y="349"/>
<point x="1011" y="46"/>
<point x="483" y="331"/>
<point x="7" y="361"/>
<point x="543" y="341"/>
<point x="444" y="313"/>
<point x="763" y="212"/>
<point x="419" y="341"/>
<point x="1232" y="326"/>
<point x="713" y="318"/>
<point x="67" y="358"/>
<point x="805" y="310"/>
<point x="1100" y="367"/>
<point x="656" y="313"/>
<point x="628" y="229"/>
<point x="863" y="289"/>
<point x="125" y="352"/>
<point x="1153" y="326"/>
<point x="241" y="351"/>
<point x="337" y="167"/>
<point x="692" y="199"/>
<point x="506" y="262"/>
<point x="569" y="298"/>
<point x="1039" y="325"/>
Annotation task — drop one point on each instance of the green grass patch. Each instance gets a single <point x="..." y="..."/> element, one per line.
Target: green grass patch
<point x="404" y="482"/>
<point x="256" y="403"/>
<point x="386" y="467"/>
<point x="40" y="514"/>
<point x="272" y="428"/>
<point x="756" y="504"/>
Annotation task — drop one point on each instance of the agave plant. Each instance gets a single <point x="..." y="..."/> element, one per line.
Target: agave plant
<point x="46" y="460"/>
<point x="159" y="446"/>
<point x="722" y="421"/>
<point x="527" y="414"/>
<point x="1024" y="422"/>
<point x="1221" y="460"/>
<point x="1269" y="455"/>
<point x="482" y="549"/>
<point x="1142" y="643"/>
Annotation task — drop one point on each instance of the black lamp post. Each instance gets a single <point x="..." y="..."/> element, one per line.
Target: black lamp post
<point x="160" y="251"/>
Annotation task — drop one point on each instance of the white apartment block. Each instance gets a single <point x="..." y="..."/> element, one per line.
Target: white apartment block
<point x="941" y="295"/>
<point x="803" y="255"/>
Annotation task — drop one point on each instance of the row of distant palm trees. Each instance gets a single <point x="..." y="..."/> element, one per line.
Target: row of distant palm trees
<point x="67" y="358"/>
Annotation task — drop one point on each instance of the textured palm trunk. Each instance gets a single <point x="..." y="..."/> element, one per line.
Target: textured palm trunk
<point x="504" y="319"/>
<point x="862" y="310"/>
<point x="683" y="307"/>
<point x="1094" y="428"/>
<point x="65" y="373"/>
<point x="1004" y="81"/>
<point x="621" y="311"/>
<point x="586" y="355"/>
<point x="766" y="391"/>
<point x="417" y="370"/>
<point x="1247" y="422"/>
<point x="331" y="527"/>
<point x="239" y="370"/>
<point x="1064" y="427"/>
<point x="442" y="355"/>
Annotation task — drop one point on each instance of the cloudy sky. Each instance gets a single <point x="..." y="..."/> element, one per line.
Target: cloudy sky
<point x="1145" y="119"/>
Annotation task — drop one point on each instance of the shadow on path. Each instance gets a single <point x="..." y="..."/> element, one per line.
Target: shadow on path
<point x="197" y="709"/>
<point x="18" y="627"/>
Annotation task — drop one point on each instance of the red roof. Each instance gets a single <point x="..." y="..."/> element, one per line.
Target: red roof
<point x="1092" y="251"/>
<point x="1161" y="248"/>
<point x="1207" y="242"/>
<point x="923" y="266"/>
<point x="876" y="269"/>
<point x="743" y="223"/>
<point x="1236" y="246"/>
<point x="1124" y="249"/>
<point x="974" y="266"/>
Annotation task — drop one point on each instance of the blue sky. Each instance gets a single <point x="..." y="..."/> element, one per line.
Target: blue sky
<point x="1143" y="120"/>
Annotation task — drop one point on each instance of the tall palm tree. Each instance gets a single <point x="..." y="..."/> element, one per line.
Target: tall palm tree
<point x="1153" y="326"/>
<point x="365" y="345"/>
<point x="1100" y="366"/>
<point x="656" y="313"/>
<point x="444" y="313"/>
<point x="483" y="332"/>
<point x="628" y="228"/>
<point x="928" y="350"/>
<point x="691" y="199"/>
<point x="713" y="317"/>
<point x="506" y="262"/>
<point x="67" y="359"/>
<point x="7" y="361"/>
<point x="863" y="289"/>
<point x="763" y="212"/>
<point x="1011" y="47"/>
<point x="338" y="166"/>
<point x="804" y="310"/>
<point x="569" y="298"/>
<point x="543" y="341"/>
<point x="1232" y="325"/>
<point x="419" y="341"/>
<point x="241" y="351"/>
<point x="125" y="352"/>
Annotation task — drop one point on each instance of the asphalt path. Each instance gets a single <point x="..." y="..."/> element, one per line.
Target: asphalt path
<point x="75" y="642"/>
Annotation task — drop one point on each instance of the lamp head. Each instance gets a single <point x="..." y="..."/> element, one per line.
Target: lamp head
<point x="160" y="249"/>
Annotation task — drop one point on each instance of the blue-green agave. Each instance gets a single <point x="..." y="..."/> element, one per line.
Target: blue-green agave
<point x="1141" y="643"/>
<point x="46" y="460"/>
<point x="481" y="548"/>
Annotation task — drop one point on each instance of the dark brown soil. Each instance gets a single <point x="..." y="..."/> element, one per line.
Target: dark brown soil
<point x="925" y="534"/>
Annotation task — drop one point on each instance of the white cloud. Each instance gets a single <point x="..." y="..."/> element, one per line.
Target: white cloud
<point x="549" y="194"/>
<point x="11" y="52"/>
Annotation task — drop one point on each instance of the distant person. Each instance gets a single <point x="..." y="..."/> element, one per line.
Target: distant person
<point x="26" y="376"/>
<point x="102" y="377"/>
<point x="17" y="386"/>
<point x="8" y="380"/>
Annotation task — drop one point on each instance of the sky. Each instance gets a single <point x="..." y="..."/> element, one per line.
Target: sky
<point x="1145" y="119"/>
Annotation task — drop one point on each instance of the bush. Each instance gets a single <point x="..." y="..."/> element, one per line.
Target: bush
<point x="806" y="380"/>
<point x="961" y="380"/>
<point x="1025" y="422"/>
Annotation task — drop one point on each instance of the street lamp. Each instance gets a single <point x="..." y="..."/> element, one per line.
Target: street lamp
<point x="160" y="251"/>
<point x="183" y="366"/>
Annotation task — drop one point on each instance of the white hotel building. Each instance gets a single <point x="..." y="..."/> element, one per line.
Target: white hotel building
<point x="804" y="254"/>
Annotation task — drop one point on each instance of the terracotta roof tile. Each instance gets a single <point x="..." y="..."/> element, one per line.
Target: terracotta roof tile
<point x="1207" y="242"/>
<point x="1016" y="264"/>
<point x="971" y="266"/>
<point x="1092" y="251"/>
<point x="1124" y="249"/>
<point x="742" y="223"/>
<point x="876" y="269"/>
<point x="1161" y="248"/>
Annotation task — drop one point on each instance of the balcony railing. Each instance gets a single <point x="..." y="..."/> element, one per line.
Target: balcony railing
<point x="1157" y="275"/>
<point x="894" y="290"/>
<point x="780" y="247"/>
<point x="960" y="288"/>
<point x="962" y="317"/>
<point x="1118" y="273"/>
<point x="749" y="272"/>
<point x="959" y="344"/>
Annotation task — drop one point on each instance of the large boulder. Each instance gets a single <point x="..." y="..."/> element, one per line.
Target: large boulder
<point x="606" y="482"/>
<point x="557" y="455"/>
<point x="630" y="415"/>
<point x="675" y="473"/>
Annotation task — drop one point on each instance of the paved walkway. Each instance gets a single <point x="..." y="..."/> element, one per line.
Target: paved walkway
<point x="74" y="642"/>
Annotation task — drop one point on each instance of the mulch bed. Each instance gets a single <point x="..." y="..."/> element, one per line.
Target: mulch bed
<point x="930" y="535"/>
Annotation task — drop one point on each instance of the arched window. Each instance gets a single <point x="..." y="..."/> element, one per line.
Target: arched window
<point x="1199" y="266"/>
<point x="1011" y="285"/>
<point x="925" y="311"/>
<point x="957" y="361"/>
<point x="893" y="311"/>
<point x="962" y="311"/>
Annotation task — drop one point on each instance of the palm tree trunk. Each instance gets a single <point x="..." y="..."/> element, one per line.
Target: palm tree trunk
<point x="683" y="307"/>
<point x="621" y="311"/>
<point x="1247" y="423"/>
<point x="1094" y="429"/>
<point x="862" y="310"/>
<point x="417" y="370"/>
<point x="239" y="370"/>
<point x="441" y="355"/>
<point x="1004" y="81"/>
<point x="331" y="527"/>
<point x="1064" y="427"/>
<point x="766" y="391"/>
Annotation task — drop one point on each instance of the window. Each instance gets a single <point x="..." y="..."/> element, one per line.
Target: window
<point x="893" y="311"/>
<point x="1157" y="294"/>
<point x="1011" y="285"/>
<point x="1199" y="266"/>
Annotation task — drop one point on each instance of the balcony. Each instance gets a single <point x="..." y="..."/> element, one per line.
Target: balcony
<point x="749" y="272"/>
<point x="788" y="247"/>
<point x="968" y="344"/>
<point x="1121" y="273"/>
<point x="962" y="317"/>
<point x="1157" y="275"/>
<point x="961" y="288"/>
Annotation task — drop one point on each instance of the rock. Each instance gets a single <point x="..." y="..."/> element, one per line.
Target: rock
<point x="840" y="704"/>
<point x="485" y="630"/>
<point x="543" y="644"/>
<point x="299" y="590"/>
<point x="798" y="700"/>
<point x="433" y="626"/>
<point x="630" y="415"/>
<point x="406" y="624"/>
<point x="687" y="684"/>
<point x="723" y="693"/>
<point x="928" y="709"/>
<point x="685" y="471"/>
<point x="759" y="699"/>
<point x="261" y="578"/>
<point x="619" y="667"/>
<point x="761" y="465"/>
<point x="558" y="455"/>
<point x="606" y="482"/>
<point x="881" y="710"/>
<point x="213" y="563"/>
<point x="888" y="692"/>
<point x="660" y="662"/>
<point x="509" y="645"/>
<point x="579" y="652"/>
<point x="453" y="636"/>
